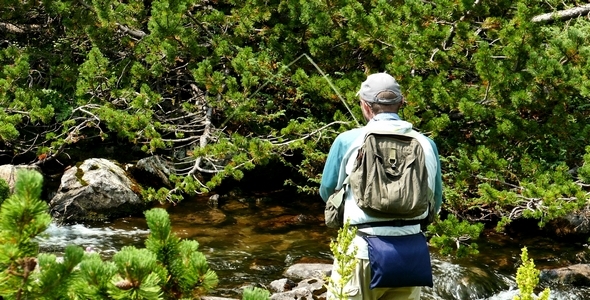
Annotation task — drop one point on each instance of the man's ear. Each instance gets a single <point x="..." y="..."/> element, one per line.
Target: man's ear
<point x="363" y="103"/>
<point x="366" y="106"/>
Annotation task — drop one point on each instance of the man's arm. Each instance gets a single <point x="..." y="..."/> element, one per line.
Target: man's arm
<point x="331" y="170"/>
<point x="438" y="188"/>
<point x="334" y="173"/>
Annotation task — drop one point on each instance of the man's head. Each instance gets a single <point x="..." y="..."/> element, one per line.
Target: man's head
<point x="380" y="93"/>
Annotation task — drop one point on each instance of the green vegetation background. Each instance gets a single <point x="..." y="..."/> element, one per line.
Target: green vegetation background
<point x="505" y="97"/>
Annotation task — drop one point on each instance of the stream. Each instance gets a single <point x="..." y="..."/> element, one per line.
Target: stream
<point x="252" y="242"/>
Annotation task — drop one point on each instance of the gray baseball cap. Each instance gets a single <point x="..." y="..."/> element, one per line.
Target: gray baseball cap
<point x="380" y="88"/>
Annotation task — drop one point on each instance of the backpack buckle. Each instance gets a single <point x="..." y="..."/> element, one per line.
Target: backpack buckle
<point x="392" y="158"/>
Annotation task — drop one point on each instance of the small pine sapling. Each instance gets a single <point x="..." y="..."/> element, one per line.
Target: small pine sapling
<point x="189" y="273"/>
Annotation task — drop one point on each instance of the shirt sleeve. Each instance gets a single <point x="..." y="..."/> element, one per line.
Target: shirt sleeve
<point x="438" y="188"/>
<point x="332" y="169"/>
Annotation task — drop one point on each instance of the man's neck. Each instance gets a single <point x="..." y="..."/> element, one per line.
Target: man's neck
<point x="386" y="116"/>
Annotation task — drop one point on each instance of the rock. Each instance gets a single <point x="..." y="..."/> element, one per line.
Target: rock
<point x="154" y="169"/>
<point x="572" y="224"/>
<point x="96" y="190"/>
<point x="307" y="271"/>
<point x="282" y="285"/>
<point x="311" y="283"/>
<point x="298" y="294"/>
<point x="577" y="275"/>
<point x="8" y="173"/>
<point x="214" y="201"/>
<point x="316" y="286"/>
<point x="312" y="288"/>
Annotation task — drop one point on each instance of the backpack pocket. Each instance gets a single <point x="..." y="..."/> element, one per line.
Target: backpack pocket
<point x="334" y="211"/>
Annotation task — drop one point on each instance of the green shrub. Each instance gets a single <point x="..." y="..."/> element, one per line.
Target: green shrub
<point x="168" y="268"/>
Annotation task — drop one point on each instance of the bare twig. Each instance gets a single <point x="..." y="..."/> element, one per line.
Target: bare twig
<point x="433" y="53"/>
<point x="311" y="133"/>
<point x="516" y="187"/>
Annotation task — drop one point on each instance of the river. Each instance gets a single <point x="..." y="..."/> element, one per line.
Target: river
<point x="251" y="242"/>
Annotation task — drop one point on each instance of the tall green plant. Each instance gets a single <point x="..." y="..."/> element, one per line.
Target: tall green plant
<point x="345" y="261"/>
<point x="187" y="268"/>
<point x="255" y="293"/>
<point x="527" y="278"/>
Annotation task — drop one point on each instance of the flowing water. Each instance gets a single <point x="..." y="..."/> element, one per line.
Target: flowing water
<point x="253" y="242"/>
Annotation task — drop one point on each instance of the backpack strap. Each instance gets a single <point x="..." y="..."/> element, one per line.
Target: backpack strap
<point x="394" y="223"/>
<point x="346" y="181"/>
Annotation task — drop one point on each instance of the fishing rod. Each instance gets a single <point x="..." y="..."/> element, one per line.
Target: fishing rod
<point x="319" y="70"/>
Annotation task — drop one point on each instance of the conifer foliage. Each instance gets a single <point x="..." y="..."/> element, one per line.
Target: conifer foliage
<point x="168" y="268"/>
<point x="218" y="87"/>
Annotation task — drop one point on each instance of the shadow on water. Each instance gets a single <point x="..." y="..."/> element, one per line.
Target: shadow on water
<point x="252" y="243"/>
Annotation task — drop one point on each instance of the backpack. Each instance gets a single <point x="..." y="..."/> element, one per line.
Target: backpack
<point x="390" y="179"/>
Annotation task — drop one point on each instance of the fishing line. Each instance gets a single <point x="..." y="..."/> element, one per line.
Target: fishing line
<point x="287" y="66"/>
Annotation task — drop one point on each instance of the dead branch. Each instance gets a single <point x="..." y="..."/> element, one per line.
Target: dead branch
<point x="138" y="34"/>
<point x="565" y="14"/>
<point x="21" y="28"/>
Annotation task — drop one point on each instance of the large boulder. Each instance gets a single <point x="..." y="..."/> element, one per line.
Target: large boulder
<point x="96" y="190"/>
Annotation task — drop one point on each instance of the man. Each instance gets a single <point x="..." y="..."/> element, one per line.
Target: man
<point x="380" y="100"/>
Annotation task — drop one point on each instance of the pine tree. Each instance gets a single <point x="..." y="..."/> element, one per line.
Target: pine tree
<point x="168" y="268"/>
<point x="23" y="216"/>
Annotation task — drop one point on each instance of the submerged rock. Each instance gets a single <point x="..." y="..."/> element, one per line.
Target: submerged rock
<point x="285" y="223"/>
<point x="577" y="275"/>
